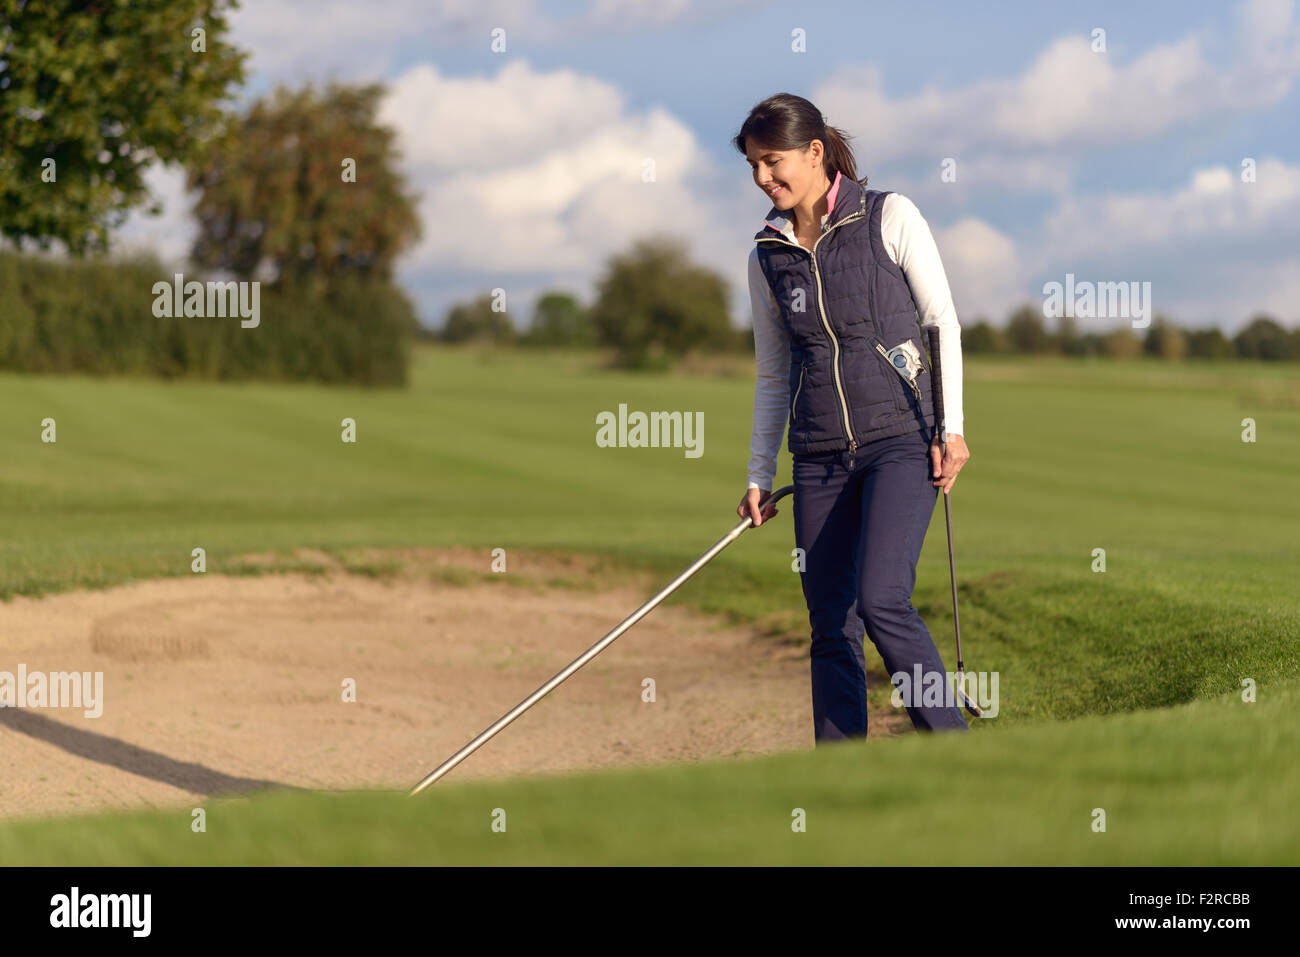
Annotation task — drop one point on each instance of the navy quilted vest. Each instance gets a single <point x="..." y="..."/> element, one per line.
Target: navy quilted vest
<point x="845" y="304"/>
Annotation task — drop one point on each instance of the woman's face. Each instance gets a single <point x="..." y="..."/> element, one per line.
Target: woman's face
<point x="793" y="174"/>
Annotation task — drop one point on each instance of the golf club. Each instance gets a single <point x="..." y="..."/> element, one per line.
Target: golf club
<point x="936" y="386"/>
<point x="595" y="649"/>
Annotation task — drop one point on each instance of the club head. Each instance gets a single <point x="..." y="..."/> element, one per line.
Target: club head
<point x="966" y="700"/>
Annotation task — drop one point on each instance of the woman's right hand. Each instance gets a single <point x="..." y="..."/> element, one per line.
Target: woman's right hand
<point x="752" y="506"/>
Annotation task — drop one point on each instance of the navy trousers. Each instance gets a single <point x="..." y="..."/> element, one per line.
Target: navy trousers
<point x="860" y="521"/>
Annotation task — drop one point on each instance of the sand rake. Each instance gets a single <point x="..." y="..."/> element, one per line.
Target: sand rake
<point x="487" y="734"/>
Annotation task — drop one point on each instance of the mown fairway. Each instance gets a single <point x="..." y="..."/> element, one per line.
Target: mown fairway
<point x="1143" y="460"/>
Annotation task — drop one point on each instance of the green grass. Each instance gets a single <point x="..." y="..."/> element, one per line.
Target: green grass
<point x="1142" y="459"/>
<point x="492" y="450"/>
<point x="1213" y="782"/>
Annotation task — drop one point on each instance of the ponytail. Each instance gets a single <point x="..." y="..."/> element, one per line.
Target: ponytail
<point x="839" y="156"/>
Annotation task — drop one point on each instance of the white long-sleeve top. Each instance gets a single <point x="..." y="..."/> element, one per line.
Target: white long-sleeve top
<point x="911" y="246"/>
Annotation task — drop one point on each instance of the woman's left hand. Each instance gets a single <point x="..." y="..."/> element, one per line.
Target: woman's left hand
<point x="954" y="456"/>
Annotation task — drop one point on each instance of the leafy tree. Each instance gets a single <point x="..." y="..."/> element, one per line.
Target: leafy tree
<point x="654" y="305"/>
<point x="983" y="337"/>
<point x="1092" y="344"/>
<point x="1263" y="338"/>
<point x="1025" y="330"/>
<point x="1209" y="344"/>
<point x="1164" y="340"/>
<point x="744" y="340"/>
<point x="275" y="189"/>
<point x="478" y="322"/>
<point x="558" y="320"/>
<point x="1122" y="343"/>
<point x="1066" y="338"/>
<point x="103" y="90"/>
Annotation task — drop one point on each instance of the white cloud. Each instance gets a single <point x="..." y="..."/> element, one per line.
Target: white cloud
<point x="637" y="12"/>
<point x="1213" y="204"/>
<point x="983" y="269"/>
<point x="1215" y="249"/>
<point x="977" y="178"/>
<point x="1070" y="97"/>
<point x="538" y="171"/>
<point x="1268" y="45"/>
<point x="168" y="235"/>
<point x="1275" y="290"/>
<point x="484" y="123"/>
<point x="295" y="39"/>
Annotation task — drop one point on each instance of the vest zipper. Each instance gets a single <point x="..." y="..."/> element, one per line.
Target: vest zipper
<point x="821" y="311"/>
<point x="802" y="369"/>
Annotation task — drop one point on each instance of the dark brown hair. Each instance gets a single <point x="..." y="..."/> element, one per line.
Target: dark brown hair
<point x="788" y="122"/>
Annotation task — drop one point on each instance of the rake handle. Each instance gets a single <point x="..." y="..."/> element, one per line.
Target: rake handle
<point x="488" y="733"/>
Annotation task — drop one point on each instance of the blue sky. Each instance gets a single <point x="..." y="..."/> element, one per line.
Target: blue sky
<point x="1122" y="165"/>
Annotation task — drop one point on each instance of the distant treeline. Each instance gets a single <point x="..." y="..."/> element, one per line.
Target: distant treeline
<point x="559" y="320"/>
<point x="98" y="316"/>
<point x="654" y="305"/>
<point x="1026" y="332"/>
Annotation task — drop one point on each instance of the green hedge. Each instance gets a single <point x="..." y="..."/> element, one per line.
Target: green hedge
<point x="97" y="316"/>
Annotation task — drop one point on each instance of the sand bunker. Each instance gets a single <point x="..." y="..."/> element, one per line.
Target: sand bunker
<point x="217" y="685"/>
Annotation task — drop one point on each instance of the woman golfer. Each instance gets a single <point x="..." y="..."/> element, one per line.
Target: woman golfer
<point x="838" y="277"/>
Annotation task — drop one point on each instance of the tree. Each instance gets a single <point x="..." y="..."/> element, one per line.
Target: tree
<point x="558" y="320"/>
<point x="1092" y="344"/>
<point x="1164" y="340"/>
<point x="91" y="94"/>
<point x="1263" y="338"/>
<point x="653" y="305"/>
<point x="1025" y="330"/>
<point x="1067" y="338"/>
<point x="1122" y="343"/>
<point x="477" y="322"/>
<point x="304" y="184"/>
<point x="1209" y="344"/>
<point x="982" y="337"/>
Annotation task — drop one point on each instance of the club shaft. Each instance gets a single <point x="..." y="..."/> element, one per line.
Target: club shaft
<point x="952" y="577"/>
<point x="487" y="734"/>
<point x="936" y="394"/>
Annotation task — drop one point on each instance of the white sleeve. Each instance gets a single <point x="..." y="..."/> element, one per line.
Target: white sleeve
<point x="910" y="244"/>
<point x="772" y="382"/>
